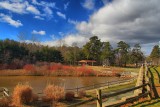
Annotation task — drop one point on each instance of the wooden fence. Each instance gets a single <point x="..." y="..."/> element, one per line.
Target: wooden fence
<point x="100" y="85"/>
<point x="142" y="89"/>
<point x="4" y="92"/>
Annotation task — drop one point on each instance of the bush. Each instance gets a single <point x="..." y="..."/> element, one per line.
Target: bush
<point x="81" y="94"/>
<point x="69" y="96"/>
<point x="4" y="102"/>
<point x="56" y="67"/>
<point x="29" y="68"/>
<point x="53" y="92"/>
<point x="22" y="94"/>
<point x="84" y="71"/>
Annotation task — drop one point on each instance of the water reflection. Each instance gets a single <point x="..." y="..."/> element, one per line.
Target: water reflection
<point x="39" y="82"/>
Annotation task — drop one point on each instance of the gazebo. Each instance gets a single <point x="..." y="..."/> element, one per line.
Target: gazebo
<point x="86" y="62"/>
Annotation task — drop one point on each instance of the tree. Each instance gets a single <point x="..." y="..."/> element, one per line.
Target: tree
<point x="155" y="54"/>
<point x="92" y="49"/>
<point x="123" y="50"/>
<point x="137" y="54"/>
<point x="107" y="53"/>
<point x="49" y="54"/>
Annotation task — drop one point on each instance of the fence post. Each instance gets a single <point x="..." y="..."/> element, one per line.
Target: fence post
<point x="99" y="98"/>
<point x="77" y="90"/>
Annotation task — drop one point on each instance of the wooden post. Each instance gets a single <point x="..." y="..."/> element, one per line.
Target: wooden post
<point x="99" y="98"/>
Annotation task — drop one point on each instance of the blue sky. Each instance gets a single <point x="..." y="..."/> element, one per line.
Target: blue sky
<point x="75" y="21"/>
<point x="44" y="18"/>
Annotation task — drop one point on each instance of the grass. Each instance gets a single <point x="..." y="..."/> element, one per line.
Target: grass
<point x="64" y="70"/>
<point x="112" y="89"/>
<point x="22" y="94"/>
<point x="155" y="77"/>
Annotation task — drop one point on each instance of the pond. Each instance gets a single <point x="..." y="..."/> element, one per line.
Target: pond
<point x="39" y="82"/>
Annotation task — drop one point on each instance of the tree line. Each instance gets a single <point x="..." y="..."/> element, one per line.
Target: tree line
<point x="21" y="53"/>
<point x="154" y="57"/>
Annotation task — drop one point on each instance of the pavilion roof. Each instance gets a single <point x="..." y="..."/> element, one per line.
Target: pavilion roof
<point x="85" y="61"/>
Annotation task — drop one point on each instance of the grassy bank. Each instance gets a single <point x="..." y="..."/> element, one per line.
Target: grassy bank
<point x="155" y="78"/>
<point x="65" y="70"/>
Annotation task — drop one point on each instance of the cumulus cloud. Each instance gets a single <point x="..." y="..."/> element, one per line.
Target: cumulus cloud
<point x="130" y="20"/>
<point x="61" y="15"/>
<point x="38" y="17"/>
<point x="89" y="4"/>
<point x="16" y="7"/>
<point x="67" y="40"/>
<point x="9" y="20"/>
<point x="27" y="7"/>
<point x="33" y="10"/>
<point x="41" y="32"/>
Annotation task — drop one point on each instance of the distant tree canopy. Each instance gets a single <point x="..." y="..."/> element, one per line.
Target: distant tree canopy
<point x="11" y="50"/>
<point x="136" y="54"/>
<point x="155" y="54"/>
<point x="102" y="52"/>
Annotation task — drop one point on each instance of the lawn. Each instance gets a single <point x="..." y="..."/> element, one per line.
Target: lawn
<point x="155" y="77"/>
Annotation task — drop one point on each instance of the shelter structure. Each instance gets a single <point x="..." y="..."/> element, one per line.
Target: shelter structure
<point x="86" y="62"/>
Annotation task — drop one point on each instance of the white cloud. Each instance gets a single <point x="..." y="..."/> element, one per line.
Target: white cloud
<point x="89" y="4"/>
<point x="48" y="11"/>
<point x="38" y="17"/>
<point x="66" y="6"/>
<point x="16" y="7"/>
<point x="53" y="37"/>
<point x="67" y="40"/>
<point x="9" y="20"/>
<point x="132" y="21"/>
<point x="41" y="32"/>
<point x="72" y="21"/>
<point x="19" y="7"/>
<point x="61" y="15"/>
<point x="33" y="10"/>
<point x="44" y="4"/>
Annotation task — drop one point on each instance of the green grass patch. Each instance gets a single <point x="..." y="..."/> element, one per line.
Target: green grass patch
<point x="149" y="103"/>
<point x="112" y="89"/>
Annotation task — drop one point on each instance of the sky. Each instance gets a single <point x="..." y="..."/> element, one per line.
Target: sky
<point x="75" y="21"/>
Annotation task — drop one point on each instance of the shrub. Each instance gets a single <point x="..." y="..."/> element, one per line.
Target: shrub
<point x="56" y="67"/>
<point x="53" y="92"/>
<point x="69" y="96"/>
<point x="84" y="71"/>
<point x="22" y="94"/>
<point x="81" y="94"/>
<point x="29" y="68"/>
<point x="4" y="102"/>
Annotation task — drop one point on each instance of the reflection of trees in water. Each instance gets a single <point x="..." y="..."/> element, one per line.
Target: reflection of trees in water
<point x="90" y="81"/>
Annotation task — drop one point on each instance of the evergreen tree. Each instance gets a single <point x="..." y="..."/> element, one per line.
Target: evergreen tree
<point x="155" y="54"/>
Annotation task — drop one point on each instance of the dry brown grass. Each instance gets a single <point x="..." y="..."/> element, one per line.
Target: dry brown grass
<point x="12" y="72"/>
<point x="4" y="102"/>
<point x="22" y="94"/>
<point x="69" y="96"/>
<point x="53" y="93"/>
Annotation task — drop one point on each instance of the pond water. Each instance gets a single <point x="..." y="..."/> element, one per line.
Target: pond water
<point x="39" y="82"/>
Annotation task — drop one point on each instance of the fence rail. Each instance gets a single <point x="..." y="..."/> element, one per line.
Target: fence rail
<point x="142" y="89"/>
<point x="4" y="92"/>
<point x="107" y="84"/>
